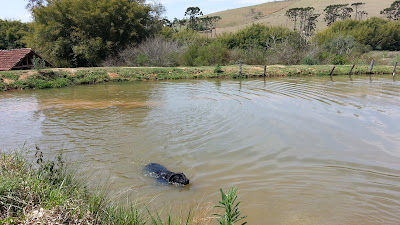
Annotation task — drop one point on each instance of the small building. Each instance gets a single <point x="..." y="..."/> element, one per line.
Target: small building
<point x="18" y="59"/>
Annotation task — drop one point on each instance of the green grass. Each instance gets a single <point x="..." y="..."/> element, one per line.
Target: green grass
<point x="56" y="78"/>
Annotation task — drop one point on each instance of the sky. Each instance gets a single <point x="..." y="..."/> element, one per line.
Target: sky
<point x="15" y="9"/>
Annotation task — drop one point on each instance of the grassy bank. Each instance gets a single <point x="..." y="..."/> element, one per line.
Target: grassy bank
<point x="50" y="192"/>
<point x="55" y="78"/>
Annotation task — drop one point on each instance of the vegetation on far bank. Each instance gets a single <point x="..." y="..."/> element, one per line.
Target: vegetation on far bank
<point x="51" y="192"/>
<point x="56" y="78"/>
<point x="85" y="33"/>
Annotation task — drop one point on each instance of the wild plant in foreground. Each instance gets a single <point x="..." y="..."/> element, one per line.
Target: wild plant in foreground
<point x="232" y="213"/>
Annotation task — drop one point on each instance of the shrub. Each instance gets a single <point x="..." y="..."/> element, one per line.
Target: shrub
<point x="152" y="52"/>
<point x="378" y="33"/>
<point x="218" y="69"/>
<point x="190" y="55"/>
<point x="338" y="60"/>
<point x="257" y="36"/>
<point x="309" y="60"/>
<point x="142" y="59"/>
<point x="38" y="63"/>
<point x="251" y="55"/>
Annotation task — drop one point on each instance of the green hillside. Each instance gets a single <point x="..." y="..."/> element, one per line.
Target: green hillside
<point x="273" y="13"/>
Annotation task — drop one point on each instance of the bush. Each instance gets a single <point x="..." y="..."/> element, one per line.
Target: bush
<point x="309" y="60"/>
<point x="257" y="36"/>
<point x="152" y="52"/>
<point x="251" y="56"/>
<point x="341" y="45"/>
<point x="190" y="55"/>
<point x="38" y="63"/>
<point x="204" y="53"/>
<point x="378" y="33"/>
<point x="338" y="60"/>
<point x="218" y="69"/>
<point x="286" y="53"/>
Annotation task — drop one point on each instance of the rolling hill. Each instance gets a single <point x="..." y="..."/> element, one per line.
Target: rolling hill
<point x="273" y="13"/>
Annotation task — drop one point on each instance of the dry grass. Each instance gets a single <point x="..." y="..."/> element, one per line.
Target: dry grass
<point x="203" y="213"/>
<point x="57" y="215"/>
<point x="274" y="13"/>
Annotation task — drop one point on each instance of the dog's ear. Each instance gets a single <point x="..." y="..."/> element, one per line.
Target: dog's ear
<point x="178" y="178"/>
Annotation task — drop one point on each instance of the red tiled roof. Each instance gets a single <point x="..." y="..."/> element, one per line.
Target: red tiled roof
<point x="9" y="58"/>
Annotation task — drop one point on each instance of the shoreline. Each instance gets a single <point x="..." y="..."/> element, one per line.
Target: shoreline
<point x="62" y="77"/>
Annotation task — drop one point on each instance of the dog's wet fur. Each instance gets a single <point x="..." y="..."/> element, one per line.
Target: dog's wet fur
<point x="163" y="175"/>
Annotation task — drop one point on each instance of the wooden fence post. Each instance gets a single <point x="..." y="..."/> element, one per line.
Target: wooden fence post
<point x="351" y="70"/>
<point x="371" y="66"/>
<point x="394" y="69"/>
<point x="265" y="71"/>
<point x="333" y="68"/>
<point x="240" y="69"/>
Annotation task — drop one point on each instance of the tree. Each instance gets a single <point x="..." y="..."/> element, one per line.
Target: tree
<point x="358" y="14"/>
<point x="393" y="12"/>
<point x="308" y="20"/>
<point x="361" y="14"/>
<point x="214" y="20"/>
<point x="208" y="23"/>
<point x="85" y="32"/>
<point x="345" y="13"/>
<point x="293" y="15"/>
<point x="12" y="34"/>
<point x="193" y="13"/>
<point x="335" y="12"/>
<point x="311" y="24"/>
<point x="32" y="4"/>
<point x="306" y="17"/>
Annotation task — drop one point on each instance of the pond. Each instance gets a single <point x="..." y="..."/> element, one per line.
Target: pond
<point x="303" y="150"/>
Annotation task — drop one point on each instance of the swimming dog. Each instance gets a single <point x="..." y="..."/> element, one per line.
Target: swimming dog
<point x="163" y="175"/>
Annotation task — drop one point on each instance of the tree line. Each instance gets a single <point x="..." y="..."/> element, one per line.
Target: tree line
<point x="12" y="33"/>
<point x="304" y="19"/>
<point x="195" y="21"/>
<point x="76" y="33"/>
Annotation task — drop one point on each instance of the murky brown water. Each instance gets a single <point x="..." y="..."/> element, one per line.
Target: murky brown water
<point x="300" y="150"/>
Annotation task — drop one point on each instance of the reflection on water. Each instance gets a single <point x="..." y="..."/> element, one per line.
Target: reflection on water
<point x="300" y="150"/>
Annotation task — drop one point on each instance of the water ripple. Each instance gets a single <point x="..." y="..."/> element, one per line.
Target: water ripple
<point x="301" y="150"/>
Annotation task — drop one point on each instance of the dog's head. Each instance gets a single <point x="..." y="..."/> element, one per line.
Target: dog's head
<point x="178" y="178"/>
